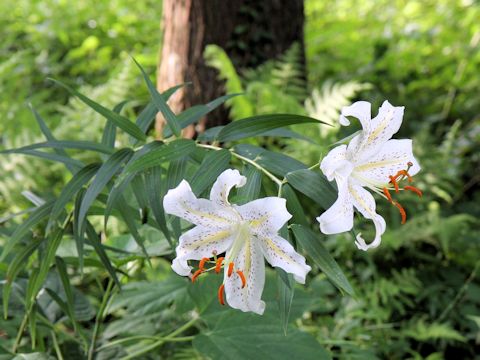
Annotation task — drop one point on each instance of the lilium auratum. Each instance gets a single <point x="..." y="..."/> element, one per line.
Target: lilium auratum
<point x="371" y="160"/>
<point x="246" y="234"/>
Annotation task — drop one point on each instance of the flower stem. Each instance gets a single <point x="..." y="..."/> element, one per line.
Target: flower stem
<point x="100" y="316"/>
<point x="247" y="160"/>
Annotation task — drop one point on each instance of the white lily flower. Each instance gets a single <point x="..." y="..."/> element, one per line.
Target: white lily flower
<point x="371" y="160"/>
<point x="246" y="233"/>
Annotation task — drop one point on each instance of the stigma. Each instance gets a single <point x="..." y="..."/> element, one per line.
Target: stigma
<point x="394" y="184"/>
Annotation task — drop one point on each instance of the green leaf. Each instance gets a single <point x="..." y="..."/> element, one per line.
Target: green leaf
<point x="312" y="245"/>
<point x="161" y="103"/>
<point x="167" y="152"/>
<point x="33" y="220"/>
<point x="71" y="188"/>
<point x="142" y="298"/>
<point x="62" y="271"/>
<point x="294" y="206"/>
<point x="94" y="240"/>
<point x="110" y="130"/>
<point x="81" y="145"/>
<point x="251" y="190"/>
<point x="18" y="263"/>
<point x="68" y="161"/>
<point x="79" y="239"/>
<point x="35" y="283"/>
<point x="148" y="114"/>
<point x="129" y="219"/>
<point x="122" y="122"/>
<point x="286" y="290"/>
<point x="314" y="185"/>
<point x="104" y="174"/>
<point x="249" y="336"/>
<point x="275" y="162"/>
<point x="49" y="136"/>
<point x="256" y="125"/>
<point x="214" y="163"/>
<point x="195" y="113"/>
<point x="138" y="186"/>
<point x="156" y="190"/>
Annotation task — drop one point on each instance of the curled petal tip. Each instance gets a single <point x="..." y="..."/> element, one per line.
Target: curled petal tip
<point x="344" y="121"/>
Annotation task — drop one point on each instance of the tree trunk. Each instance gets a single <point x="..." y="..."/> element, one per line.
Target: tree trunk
<point x="250" y="31"/>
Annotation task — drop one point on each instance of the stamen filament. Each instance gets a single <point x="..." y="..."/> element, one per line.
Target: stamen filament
<point x="220" y="294"/>
<point x="414" y="189"/>
<point x="242" y="277"/>
<point x="402" y="211"/>
<point x="387" y="194"/>
<point x="230" y="269"/>
<point x="218" y="265"/>
<point x="196" y="274"/>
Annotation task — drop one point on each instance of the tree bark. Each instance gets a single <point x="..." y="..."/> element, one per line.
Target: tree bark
<point x="250" y="31"/>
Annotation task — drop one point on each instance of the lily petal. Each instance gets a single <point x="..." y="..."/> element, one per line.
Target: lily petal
<point x="335" y="164"/>
<point x="338" y="218"/>
<point x="392" y="157"/>
<point x="222" y="186"/>
<point x="266" y="215"/>
<point x="280" y="253"/>
<point x="249" y="260"/>
<point x="365" y="204"/>
<point x="198" y="243"/>
<point x="183" y="203"/>
<point x="361" y="110"/>
<point x="376" y="132"/>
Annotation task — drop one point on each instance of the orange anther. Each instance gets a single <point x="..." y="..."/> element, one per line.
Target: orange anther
<point x="220" y="294"/>
<point x="387" y="194"/>
<point x="218" y="265"/>
<point x="202" y="263"/>
<point x="230" y="269"/>
<point x="196" y="274"/>
<point x="393" y="180"/>
<point x="242" y="277"/>
<point x="404" y="173"/>
<point x="402" y="211"/>
<point x="414" y="189"/>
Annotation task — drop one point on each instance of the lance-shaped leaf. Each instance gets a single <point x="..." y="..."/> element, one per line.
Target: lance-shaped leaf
<point x="71" y="166"/>
<point x="71" y="188"/>
<point x="274" y="162"/>
<point x="104" y="175"/>
<point x="80" y="145"/>
<point x="195" y="113"/>
<point x="122" y="122"/>
<point x="167" y="152"/>
<point x="312" y="245"/>
<point x="156" y="189"/>
<point x="314" y="185"/>
<point x="94" y="240"/>
<point x="255" y="125"/>
<point x="161" y="103"/>
<point x="35" y="217"/>
<point x="68" y="161"/>
<point x="35" y="282"/>
<point x="214" y="163"/>
<point x="18" y="263"/>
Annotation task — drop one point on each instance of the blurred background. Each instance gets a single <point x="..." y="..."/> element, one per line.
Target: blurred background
<point x="419" y="293"/>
